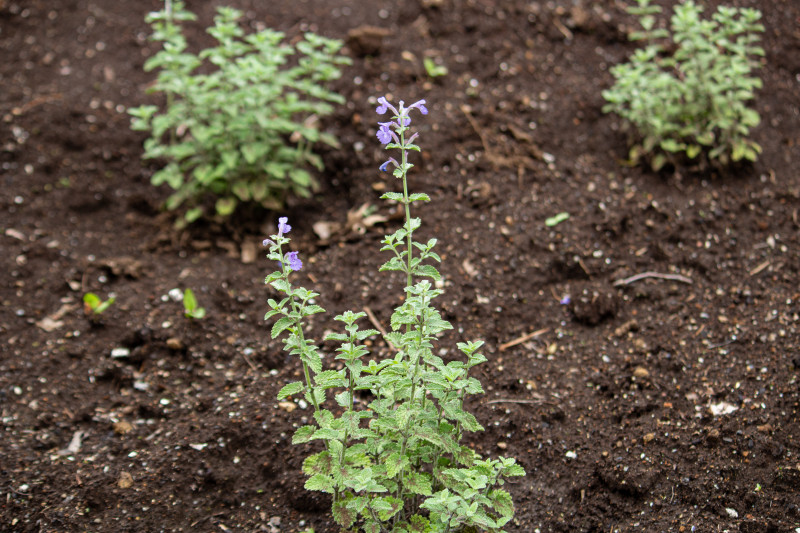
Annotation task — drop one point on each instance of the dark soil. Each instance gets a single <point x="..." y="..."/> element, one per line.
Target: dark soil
<point x="663" y="403"/>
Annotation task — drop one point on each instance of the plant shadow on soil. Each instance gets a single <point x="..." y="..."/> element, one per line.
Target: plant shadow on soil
<point x="659" y="403"/>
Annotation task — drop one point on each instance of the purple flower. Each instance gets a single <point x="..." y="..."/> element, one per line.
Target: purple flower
<point x="384" y="133"/>
<point x="385" y="106"/>
<point x="294" y="261"/>
<point x="419" y="105"/>
<point x="283" y="227"/>
<point x="565" y="300"/>
<point x="267" y="242"/>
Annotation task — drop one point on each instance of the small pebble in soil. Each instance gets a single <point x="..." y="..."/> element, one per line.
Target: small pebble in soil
<point x="120" y="352"/>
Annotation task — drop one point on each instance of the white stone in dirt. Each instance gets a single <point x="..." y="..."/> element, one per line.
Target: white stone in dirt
<point x="722" y="408"/>
<point x="176" y="295"/>
<point x="120" y="352"/>
<point x="732" y="512"/>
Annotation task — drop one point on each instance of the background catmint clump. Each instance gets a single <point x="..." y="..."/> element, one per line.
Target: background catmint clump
<point x="242" y="131"/>
<point x="686" y="92"/>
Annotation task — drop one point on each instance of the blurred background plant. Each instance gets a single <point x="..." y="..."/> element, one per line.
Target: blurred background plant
<point x="241" y="117"/>
<point x="686" y="92"/>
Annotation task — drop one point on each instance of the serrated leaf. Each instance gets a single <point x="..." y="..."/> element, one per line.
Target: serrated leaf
<point x="395" y="196"/>
<point x="320" y="483"/>
<point x="428" y="271"/>
<point x="344" y="514"/>
<point x="419" y="197"/>
<point x="280" y="325"/>
<point x="501" y="502"/>
<point x="290" y="389"/>
<point x="328" y="434"/>
<point x="394" y="463"/>
<point x="386" y="507"/>
<point x="303" y="434"/>
<point x="419" y="483"/>
<point x="319" y="463"/>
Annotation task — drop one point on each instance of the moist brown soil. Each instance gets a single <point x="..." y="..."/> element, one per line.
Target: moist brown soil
<point x="667" y="402"/>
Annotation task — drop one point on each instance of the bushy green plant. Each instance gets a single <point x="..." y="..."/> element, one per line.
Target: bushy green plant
<point x="393" y="460"/>
<point x="690" y="96"/>
<point x="241" y="117"/>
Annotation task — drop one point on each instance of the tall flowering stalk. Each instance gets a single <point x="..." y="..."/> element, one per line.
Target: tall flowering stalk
<point x="397" y="464"/>
<point x="393" y="135"/>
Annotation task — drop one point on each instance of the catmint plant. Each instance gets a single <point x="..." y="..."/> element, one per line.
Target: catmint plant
<point x="392" y="457"/>
<point x="241" y="117"/>
<point x="690" y="96"/>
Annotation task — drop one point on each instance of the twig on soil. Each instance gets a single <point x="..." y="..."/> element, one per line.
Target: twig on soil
<point x="520" y="340"/>
<point x="759" y="268"/>
<point x="378" y="326"/>
<point x="250" y="363"/>
<point x="644" y="275"/>
<point x="511" y="400"/>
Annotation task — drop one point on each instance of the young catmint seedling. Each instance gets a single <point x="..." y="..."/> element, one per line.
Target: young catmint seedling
<point x="241" y="117"/>
<point x="689" y="97"/>
<point x="393" y="462"/>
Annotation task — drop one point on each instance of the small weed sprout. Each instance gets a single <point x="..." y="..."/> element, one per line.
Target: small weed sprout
<point x="397" y="463"/>
<point x="692" y="100"/>
<point x="191" y="308"/>
<point x="432" y="69"/>
<point x="244" y="128"/>
<point x="93" y="306"/>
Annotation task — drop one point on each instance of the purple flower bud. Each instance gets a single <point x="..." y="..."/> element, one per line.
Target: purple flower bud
<point x="294" y="261"/>
<point x="267" y="242"/>
<point x="385" y="166"/>
<point x="283" y="227"/>
<point x="384" y="133"/>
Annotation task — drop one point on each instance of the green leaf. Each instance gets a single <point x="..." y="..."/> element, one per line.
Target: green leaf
<point x="225" y="206"/>
<point x="281" y="324"/>
<point x="557" y="219"/>
<point x="320" y="483"/>
<point x="319" y="463"/>
<point x="303" y="434"/>
<point x="419" y="483"/>
<point x="92" y="300"/>
<point x="395" y="196"/>
<point x="290" y="389"/>
<point x="189" y="300"/>
<point x="193" y="214"/>
<point x="395" y="463"/>
<point x="343" y="514"/>
<point x="428" y="271"/>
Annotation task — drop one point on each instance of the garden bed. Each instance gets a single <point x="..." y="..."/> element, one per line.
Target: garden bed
<point x="663" y="397"/>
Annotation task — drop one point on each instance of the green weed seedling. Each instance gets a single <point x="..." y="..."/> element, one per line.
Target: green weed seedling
<point x="393" y="463"/>
<point x="432" y="69"/>
<point x="241" y="117"/>
<point x="190" y="307"/>
<point x="686" y="92"/>
<point x="94" y="306"/>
